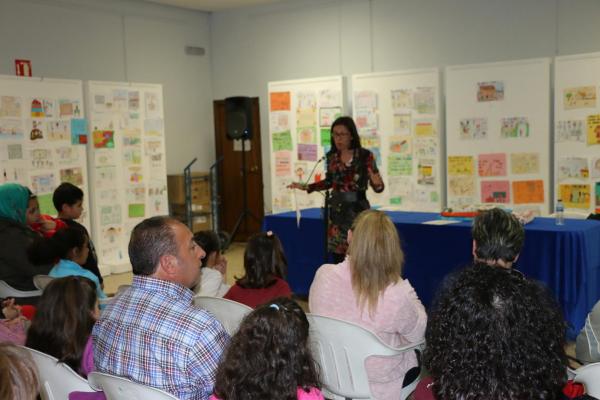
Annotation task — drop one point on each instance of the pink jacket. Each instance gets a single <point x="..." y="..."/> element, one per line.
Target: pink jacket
<point x="399" y="319"/>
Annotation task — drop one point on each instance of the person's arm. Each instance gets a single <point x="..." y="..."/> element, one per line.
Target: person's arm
<point x="411" y="317"/>
<point x="375" y="179"/>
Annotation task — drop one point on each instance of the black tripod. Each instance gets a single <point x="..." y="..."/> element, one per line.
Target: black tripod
<point x="245" y="210"/>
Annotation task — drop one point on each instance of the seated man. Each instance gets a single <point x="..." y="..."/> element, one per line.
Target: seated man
<point x="498" y="238"/>
<point x="152" y="333"/>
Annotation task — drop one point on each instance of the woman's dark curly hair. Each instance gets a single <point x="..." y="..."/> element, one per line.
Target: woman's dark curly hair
<point x="269" y="356"/>
<point x="495" y="335"/>
<point x="264" y="261"/>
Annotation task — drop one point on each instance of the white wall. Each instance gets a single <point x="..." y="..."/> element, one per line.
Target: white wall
<point x="122" y="40"/>
<point x="310" y="38"/>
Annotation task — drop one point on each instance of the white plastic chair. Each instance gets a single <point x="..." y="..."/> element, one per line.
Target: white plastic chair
<point x="118" y="388"/>
<point x="8" y="291"/>
<point x="41" y="281"/>
<point x="341" y="348"/>
<point x="229" y="313"/>
<point x="57" y="379"/>
<point x="589" y="376"/>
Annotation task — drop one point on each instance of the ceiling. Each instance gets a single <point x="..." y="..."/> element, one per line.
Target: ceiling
<point x="212" y="5"/>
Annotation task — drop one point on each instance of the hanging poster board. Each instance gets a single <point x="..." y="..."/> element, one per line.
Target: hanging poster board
<point x="577" y="132"/>
<point x="43" y="134"/>
<point x="127" y="163"/>
<point x="398" y="117"/>
<point x="498" y="135"/>
<point x="300" y="116"/>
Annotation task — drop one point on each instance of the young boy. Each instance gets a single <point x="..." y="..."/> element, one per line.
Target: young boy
<point x="68" y="201"/>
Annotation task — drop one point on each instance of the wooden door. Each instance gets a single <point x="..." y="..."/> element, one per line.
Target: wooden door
<point x="230" y="176"/>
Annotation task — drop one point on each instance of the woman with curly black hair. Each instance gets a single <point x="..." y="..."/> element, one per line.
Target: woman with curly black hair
<point x="494" y="335"/>
<point x="269" y="357"/>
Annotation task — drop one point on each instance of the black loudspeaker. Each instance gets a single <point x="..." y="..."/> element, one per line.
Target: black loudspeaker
<point x="238" y="117"/>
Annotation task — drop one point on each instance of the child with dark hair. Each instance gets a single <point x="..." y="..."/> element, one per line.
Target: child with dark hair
<point x="269" y="357"/>
<point x="63" y="323"/>
<point x="265" y="266"/>
<point x="68" y="201"/>
<point x="213" y="268"/>
<point x="70" y="247"/>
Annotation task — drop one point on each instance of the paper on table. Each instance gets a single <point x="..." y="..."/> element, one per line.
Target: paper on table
<point x="297" y="209"/>
<point x="441" y="222"/>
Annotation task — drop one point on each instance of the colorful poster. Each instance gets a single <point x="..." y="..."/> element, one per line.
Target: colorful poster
<point x="402" y="123"/>
<point x="490" y="91"/>
<point x="66" y="155"/>
<point x="72" y="175"/>
<point x="330" y="98"/>
<point x="46" y="204"/>
<point x="492" y="164"/>
<point x="306" y="117"/>
<point x="575" y="196"/>
<point x="306" y="100"/>
<point x="424" y="99"/>
<point x="325" y="137"/>
<point x="283" y="163"/>
<point x="307" y="152"/>
<point x="69" y="108"/>
<point x="281" y="141"/>
<point x="137" y="210"/>
<point x="593" y="129"/>
<point x="573" y="168"/>
<point x="525" y="163"/>
<point x="579" y="97"/>
<point x="473" y="128"/>
<point x="426" y="172"/>
<point x="365" y="99"/>
<point x="461" y="186"/>
<point x="401" y="144"/>
<point x="425" y="128"/>
<point x="43" y="183"/>
<point x="104" y="139"/>
<point x="110" y="214"/>
<point x="514" y="127"/>
<point x="399" y="165"/>
<point x="10" y="106"/>
<point x="400" y="189"/>
<point x="328" y="115"/>
<point x="279" y="121"/>
<point x="79" y="131"/>
<point x="41" y="158"/>
<point x="11" y="129"/>
<point x="495" y="191"/>
<point x="425" y="146"/>
<point x="595" y="168"/>
<point x="37" y="131"/>
<point x="402" y="99"/>
<point x="366" y="119"/>
<point x="373" y="144"/>
<point x="460" y="165"/>
<point x="531" y="191"/>
<point x="307" y="135"/>
<point x="279" y="101"/>
<point x="570" y="131"/>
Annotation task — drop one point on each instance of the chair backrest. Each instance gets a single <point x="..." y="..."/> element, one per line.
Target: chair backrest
<point x="41" y="281"/>
<point x="589" y="376"/>
<point x="229" y="313"/>
<point x="8" y="291"/>
<point x="57" y="379"/>
<point x="118" y="388"/>
<point x="341" y="348"/>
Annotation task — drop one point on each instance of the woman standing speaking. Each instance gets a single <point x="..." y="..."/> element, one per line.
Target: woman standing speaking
<point x="350" y="169"/>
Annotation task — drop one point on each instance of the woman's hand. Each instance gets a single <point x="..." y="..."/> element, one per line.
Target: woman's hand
<point x="376" y="181"/>
<point x="298" y="185"/>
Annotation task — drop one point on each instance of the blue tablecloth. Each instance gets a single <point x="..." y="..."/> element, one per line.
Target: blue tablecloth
<point x="566" y="258"/>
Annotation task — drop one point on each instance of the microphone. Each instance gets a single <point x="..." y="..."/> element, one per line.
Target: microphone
<point x="314" y="168"/>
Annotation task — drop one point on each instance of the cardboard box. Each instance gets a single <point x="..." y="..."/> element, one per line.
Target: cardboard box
<point x="200" y="188"/>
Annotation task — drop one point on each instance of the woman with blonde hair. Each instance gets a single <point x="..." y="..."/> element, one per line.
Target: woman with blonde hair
<point x="18" y="374"/>
<point x="367" y="289"/>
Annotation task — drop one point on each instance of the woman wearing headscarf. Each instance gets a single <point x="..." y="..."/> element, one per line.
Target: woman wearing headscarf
<point x="15" y="237"/>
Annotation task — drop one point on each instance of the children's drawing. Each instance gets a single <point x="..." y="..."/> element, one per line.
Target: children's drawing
<point x="426" y="172"/>
<point x="307" y="135"/>
<point x="401" y="144"/>
<point x="593" y="129"/>
<point x="279" y="101"/>
<point x="153" y="127"/>
<point x="365" y="99"/>
<point x="43" y="183"/>
<point x="328" y="115"/>
<point x="575" y="196"/>
<point x="330" y="98"/>
<point x="11" y="129"/>
<point x="366" y="119"/>
<point x="37" y="130"/>
<point x="279" y="121"/>
<point x="490" y="91"/>
<point x="579" y="97"/>
<point x="460" y="165"/>
<point x="495" y="191"/>
<point x="10" y="106"/>
<point x="133" y="100"/>
<point x="573" y="168"/>
<point x="37" y="110"/>
<point x="402" y="124"/>
<point x="402" y="99"/>
<point x="531" y="191"/>
<point x="399" y="165"/>
<point x="282" y="141"/>
<point x="72" y="175"/>
<point x="307" y="152"/>
<point x="525" y="163"/>
<point x="424" y="99"/>
<point x="306" y="100"/>
<point x="425" y="146"/>
<point x="66" y="155"/>
<point x="104" y="139"/>
<point x="514" y="127"/>
<point x="461" y="186"/>
<point x="570" y="131"/>
<point x="425" y="127"/>
<point x="59" y="130"/>
<point x="595" y="168"/>
<point x="473" y="128"/>
<point x="492" y="164"/>
<point x="152" y="102"/>
<point x="283" y="163"/>
<point x="41" y="158"/>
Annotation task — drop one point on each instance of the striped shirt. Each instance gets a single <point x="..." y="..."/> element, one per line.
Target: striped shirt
<point x="153" y="335"/>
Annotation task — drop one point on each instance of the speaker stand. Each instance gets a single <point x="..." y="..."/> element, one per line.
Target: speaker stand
<point x="245" y="210"/>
